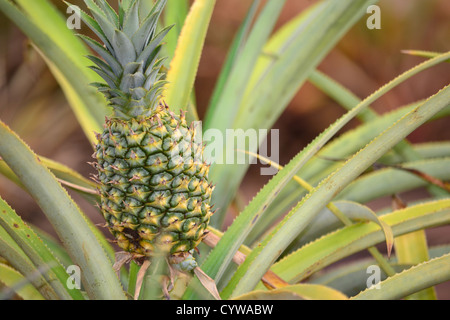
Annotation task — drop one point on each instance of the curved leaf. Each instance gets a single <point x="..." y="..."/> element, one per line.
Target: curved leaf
<point x="38" y="253"/>
<point x="296" y="292"/>
<point x="223" y="115"/>
<point x="410" y="281"/>
<point x="184" y="65"/>
<point x="388" y="181"/>
<point x="219" y="258"/>
<point x="422" y="53"/>
<point x="341" y="148"/>
<point x="327" y="221"/>
<point x="81" y="243"/>
<point x="232" y="58"/>
<point x="71" y="179"/>
<point x="175" y="14"/>
<point x="261" y="257"/>
<point x="19" y="261"/>
<point x="18" y="283"/>
<point x="263" y="103"/>
<point x="65" y="56"/>
<point x="339" y="244"/>
<point x="351" y="278"/>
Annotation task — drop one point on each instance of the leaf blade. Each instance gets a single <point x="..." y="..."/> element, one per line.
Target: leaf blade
<point x="65" y="55"/>
<point x="184" y="65"/>
<point x="294" y="292"/>
<point x="410" y="281"/>
<point x="18" y="283"/>
<point x="336" y="245"/>
<point x="81" y="243"/>
<point x="257" y="111"/>
<point x="273" y="244"/>
<point x="37" y="252"/>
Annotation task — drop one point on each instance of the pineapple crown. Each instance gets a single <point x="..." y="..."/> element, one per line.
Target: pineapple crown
<point x="130" y="65"/>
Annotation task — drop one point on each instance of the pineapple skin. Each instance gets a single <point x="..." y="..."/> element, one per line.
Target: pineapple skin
<point x="155" y="194"/>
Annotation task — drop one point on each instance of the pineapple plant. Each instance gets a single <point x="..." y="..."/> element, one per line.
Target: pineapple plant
<point x="154" y="188"/>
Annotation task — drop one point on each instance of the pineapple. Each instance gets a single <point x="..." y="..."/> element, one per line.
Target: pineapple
<point x="155" y="194"/>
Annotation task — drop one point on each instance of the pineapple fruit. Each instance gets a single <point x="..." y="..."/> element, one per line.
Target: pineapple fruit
<point x="155" y="194"/>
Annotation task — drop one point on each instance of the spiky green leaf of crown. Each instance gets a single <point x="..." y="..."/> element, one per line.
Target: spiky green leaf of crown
<point x="131" y="44"/>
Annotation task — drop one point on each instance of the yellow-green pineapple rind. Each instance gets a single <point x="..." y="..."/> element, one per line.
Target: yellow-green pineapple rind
<point x="155" y="194"/>
<point x="154" y="186"/>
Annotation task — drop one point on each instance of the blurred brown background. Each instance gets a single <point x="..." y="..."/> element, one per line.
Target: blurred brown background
<point x="32" y="103"/>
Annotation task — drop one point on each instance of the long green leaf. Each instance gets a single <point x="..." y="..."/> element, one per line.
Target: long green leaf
<point x="68" y="221"/>
<point x="426" y="150"/>
<point x="220" y="257"/>
<point x="299" y="56"/>
<point x="72" y="179"/>
<point x="223" y="115"/>
<point x="37" y="252"/>
<point x="340" y="94"/>
<point x="281" y="39"/>
<point x="349" y="101"/>
<point x="340" y="149"/>
<point x="54" y="246"/>
<point x="60" y="170"/>
<point x="388" y="181"/>
<point x="351" y="141"/>
<point x="410" y="248"/>
<point x="15" y="256"/>
<point x="175" y="14"/>
<point x="262" y="104"/>
<point x="351" y="278"/>
<point x="296" y="292"/>
<point x="50" y="21"/>
<point x="183" y="68"/>
<point x="252" y="270"/>
<point x="410" y="281"/>
<point x="339" y="244"/>
<point x="18" y="283"/>
<point x="64" y="54"/>
<point x="233" y="56"/>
